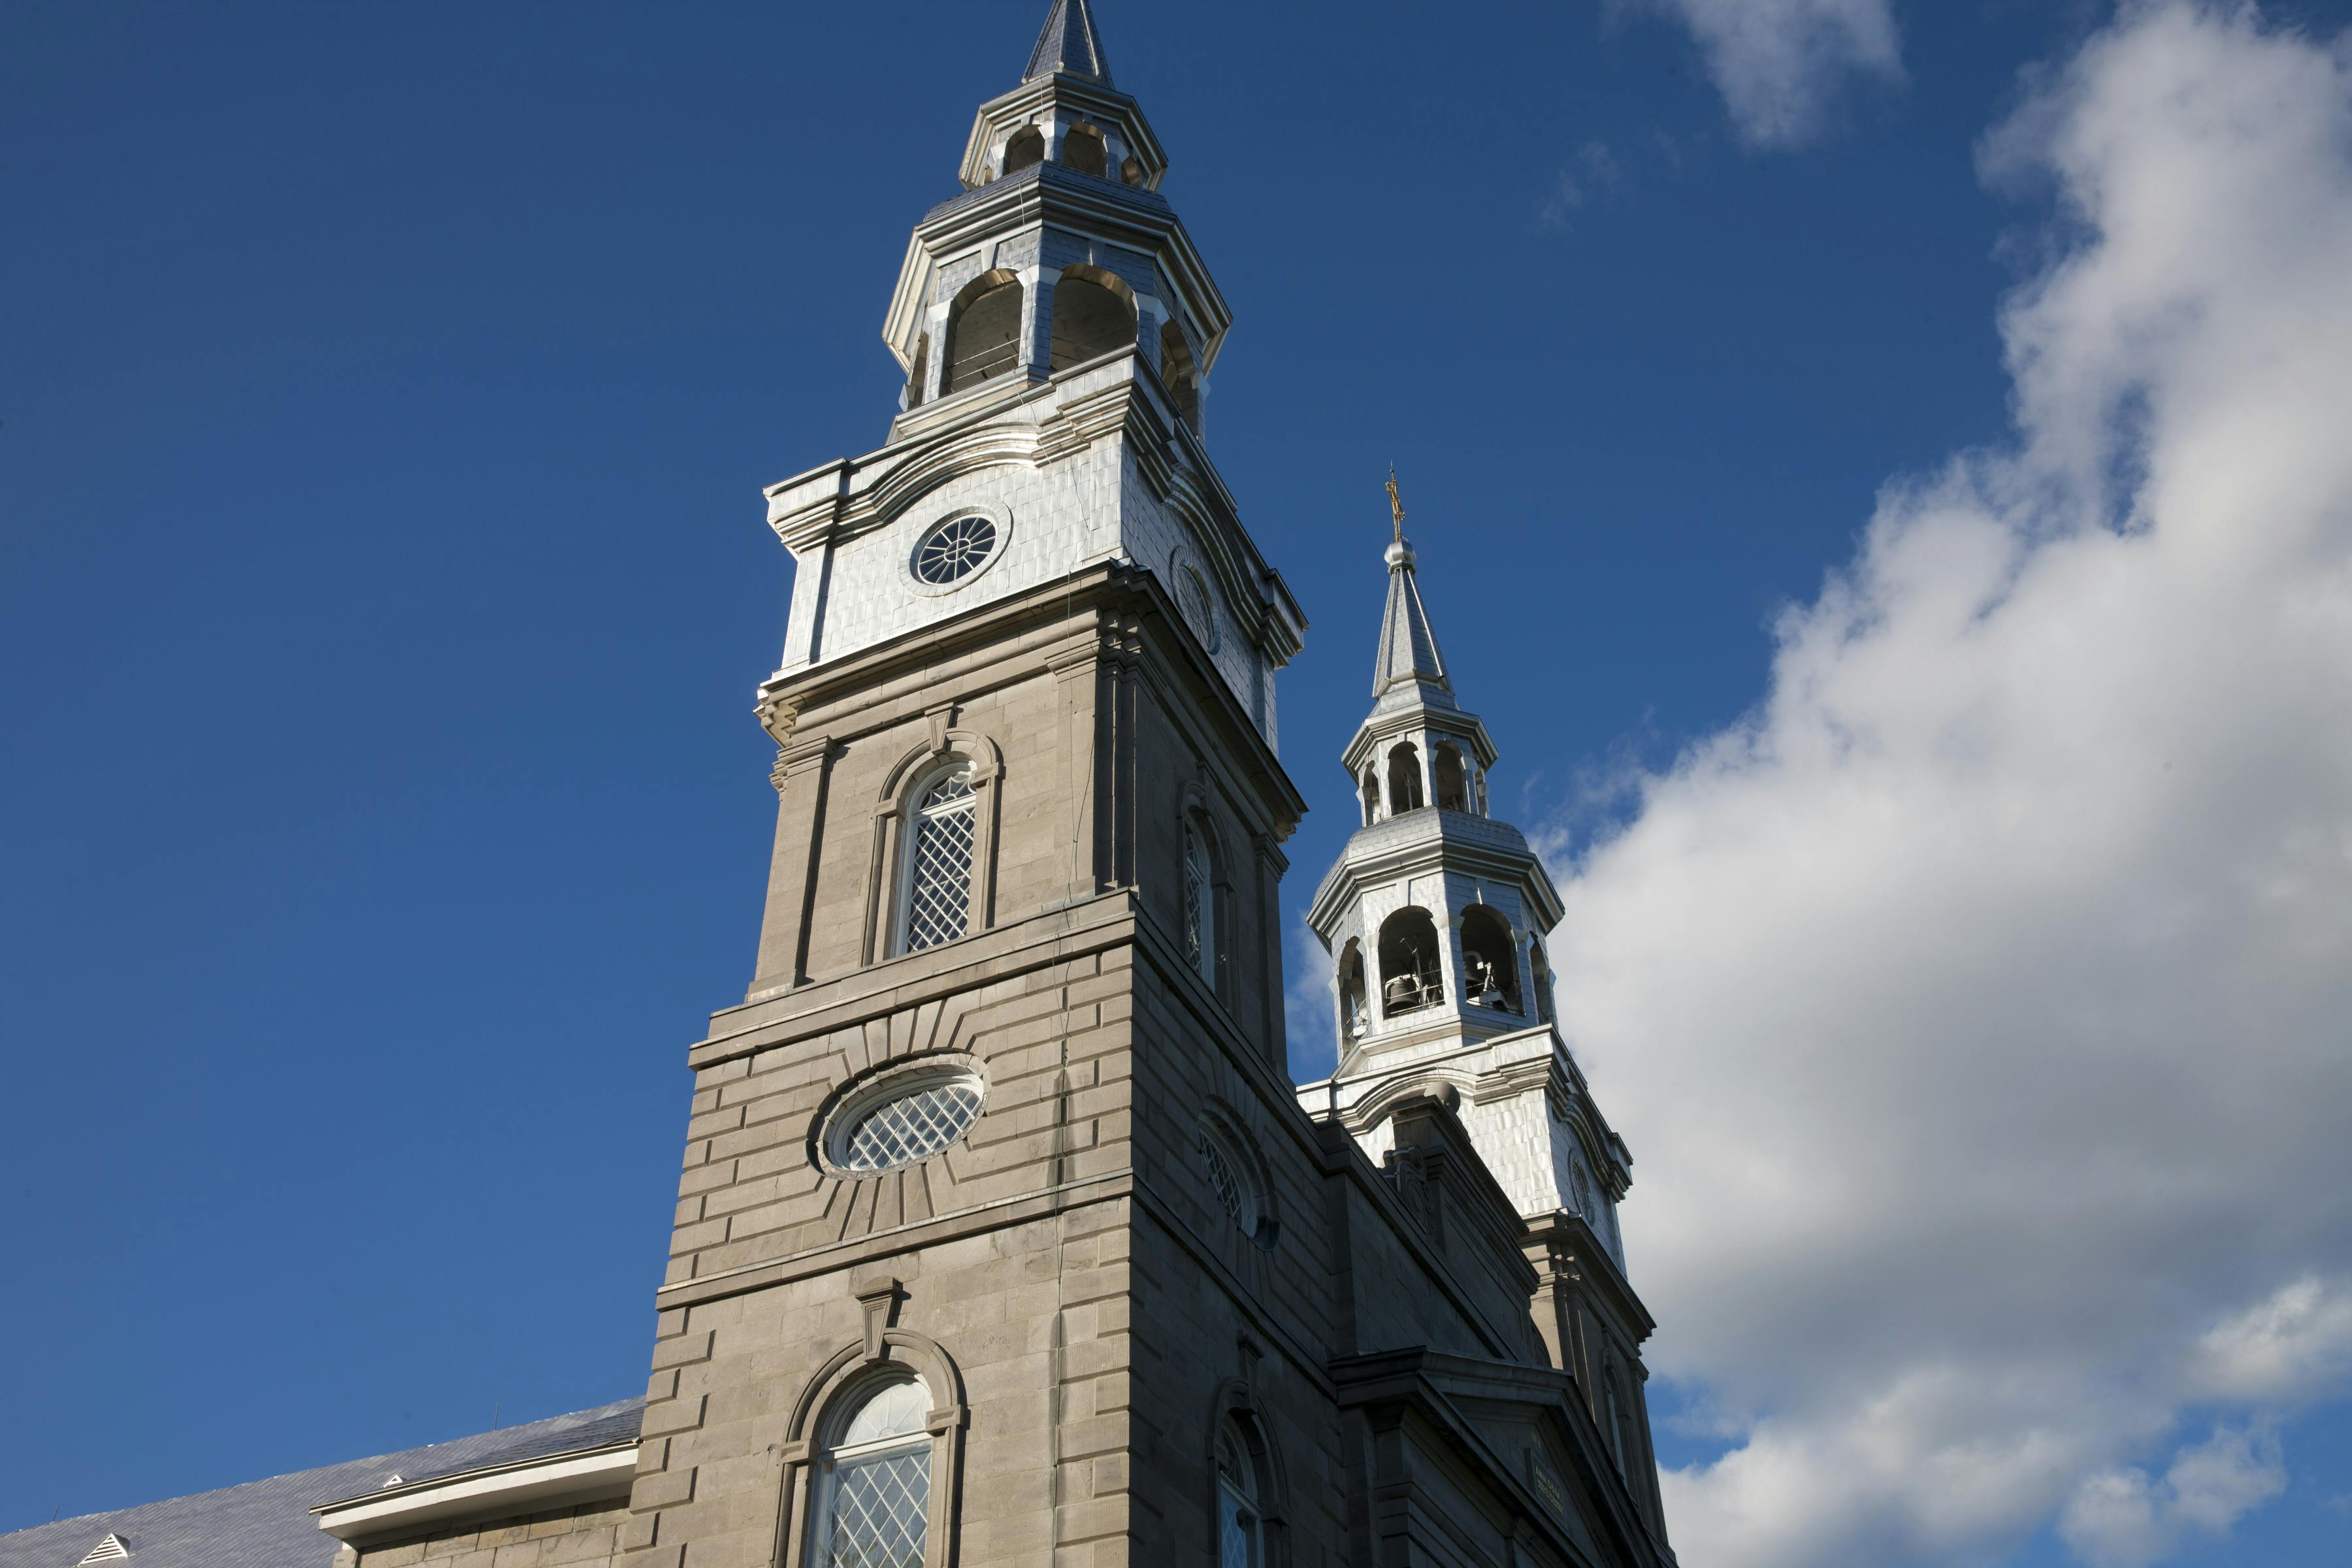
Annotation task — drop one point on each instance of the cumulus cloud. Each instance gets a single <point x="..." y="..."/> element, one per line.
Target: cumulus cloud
<point x="2122" y="1519"/>
<point x="1978" y="1007"/>
<point x="1780" y="63"/>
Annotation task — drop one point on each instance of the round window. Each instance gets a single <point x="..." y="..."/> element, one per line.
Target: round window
<point x="904" y="1118"/>
<point x="955" y="550"/>
<point x="1199" y="608"/>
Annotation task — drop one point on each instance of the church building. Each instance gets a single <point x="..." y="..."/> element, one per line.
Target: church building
<point x="1004" y="1236"/>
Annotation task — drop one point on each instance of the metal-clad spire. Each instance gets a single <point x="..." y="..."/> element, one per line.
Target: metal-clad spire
<point x="1069" y="43"/>
<point x="1408" y="650"/>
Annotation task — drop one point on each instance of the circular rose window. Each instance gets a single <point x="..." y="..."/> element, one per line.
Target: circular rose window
<point x="903" y="1117"/>
<point x="955" y="550"/>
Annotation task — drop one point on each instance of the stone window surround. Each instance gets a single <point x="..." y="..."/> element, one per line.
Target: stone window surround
<point x="844" y="1375"/>
<point x="892" y="809"/>
<point x="1231" y="1133"/>
<point x="1193" y="816"/>
<point x="1237" y="1403"/>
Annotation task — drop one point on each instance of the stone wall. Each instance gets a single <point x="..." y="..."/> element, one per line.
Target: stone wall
<point x="584" y="1537"/>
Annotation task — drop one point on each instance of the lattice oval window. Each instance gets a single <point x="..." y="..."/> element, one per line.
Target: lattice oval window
<point x="956" y="549"/>
<point x="903" y="1117"/>
<point x="1232" y="1178"/>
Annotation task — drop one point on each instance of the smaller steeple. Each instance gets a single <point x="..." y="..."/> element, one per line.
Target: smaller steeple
<point x="1069" y="44"/>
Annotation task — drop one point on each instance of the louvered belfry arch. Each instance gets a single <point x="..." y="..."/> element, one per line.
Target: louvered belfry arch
<point x="1008" y="1102"/>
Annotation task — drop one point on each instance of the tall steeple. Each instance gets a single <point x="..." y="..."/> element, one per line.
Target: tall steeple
<point x="1069" y="43"/>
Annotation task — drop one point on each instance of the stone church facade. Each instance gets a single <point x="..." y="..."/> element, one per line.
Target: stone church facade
<point x="1003" y="1235"/>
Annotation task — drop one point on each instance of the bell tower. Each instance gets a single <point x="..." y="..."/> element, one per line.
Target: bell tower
<point x="1003" y="1236"/>
<point x="1434" y="915"/>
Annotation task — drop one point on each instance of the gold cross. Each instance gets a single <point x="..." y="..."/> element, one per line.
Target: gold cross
<point x="1396" y="505"/>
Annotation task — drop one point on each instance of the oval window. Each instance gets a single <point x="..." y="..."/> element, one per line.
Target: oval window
<point x="955" y="550"/>
<point x="906" y="1118"/>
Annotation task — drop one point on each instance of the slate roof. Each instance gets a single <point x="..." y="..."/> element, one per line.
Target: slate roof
<point x="1069" y="43"/>
<point x="268" y="1524"/>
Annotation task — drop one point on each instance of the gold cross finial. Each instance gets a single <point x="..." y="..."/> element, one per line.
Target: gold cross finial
<point x="1396" y="505"/>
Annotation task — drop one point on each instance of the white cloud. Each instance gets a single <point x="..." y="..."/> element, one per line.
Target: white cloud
<point x="1779" y="63"/>
<point x="2278" y="1350"/>
<point x="2120" y="1519"/>
<point x="1978" y="1009"/>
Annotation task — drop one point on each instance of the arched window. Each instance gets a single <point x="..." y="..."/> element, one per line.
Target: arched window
<point x="1453" y="784"/>
<point x="1371" y="796"/>
<point x="1199" y="907"/>
<point x="1490" y="954"/>
<point x="874" y="1483"/>
<point x="1410" y="976"/>
<point x="1027" y="147"/>
<point x="1352" y="1022"/>
<point x="921" y="372"/>
<point x="1541" y="974"/>
<point x="1092" y="316"/>
<point x="1083" y="149"/>
<point x="1178" y="374"/>
<point x="1404" y="777"/>
<point x="985" y="329"/>
<point x="935" y="875"/>
<point x="1240" y="1529"/>
<point x="1478" y="791"/>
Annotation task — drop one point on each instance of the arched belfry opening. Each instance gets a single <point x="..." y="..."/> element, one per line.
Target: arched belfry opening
<point x="1410" y="977"/>
<point x="1452" y="781"/>
<point x="1179" y="376"/>
<point x="1352" y="993"/>
<point x="1371" y="796"/>
<point x="1490" y="960"/>
<point x="1404" y="777"/>
<point x="1540" y="977"/>
<point x="921" y="372"/>
<point x="1026" y="148"/>
<point x="1094" y="314"/>
<point x="983" y="330"/>
<point x="1084" y="149"/>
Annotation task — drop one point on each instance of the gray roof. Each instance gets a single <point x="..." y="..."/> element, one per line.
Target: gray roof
<point x="268" y="1524"/>
<point x="1409" y="652"/>
<point x="1069" y="43"/>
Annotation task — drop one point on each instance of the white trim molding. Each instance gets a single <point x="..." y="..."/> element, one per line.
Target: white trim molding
<point x="497" y="1491"/>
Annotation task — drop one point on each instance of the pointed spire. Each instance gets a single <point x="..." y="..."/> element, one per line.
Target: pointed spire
<point x="1409" y="651"/>
<point x="1069" y="43"/>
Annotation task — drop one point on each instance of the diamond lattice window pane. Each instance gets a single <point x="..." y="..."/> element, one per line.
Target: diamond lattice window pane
<point x="938" y="884"/>
<point x="914" y="1126"/>
<point x="881" y="1508"/>
<point x="1236" y="1526"/>
<point x="1222" y="1180"/>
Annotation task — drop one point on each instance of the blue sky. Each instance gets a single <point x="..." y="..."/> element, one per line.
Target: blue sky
<point x="385" y="398"/>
